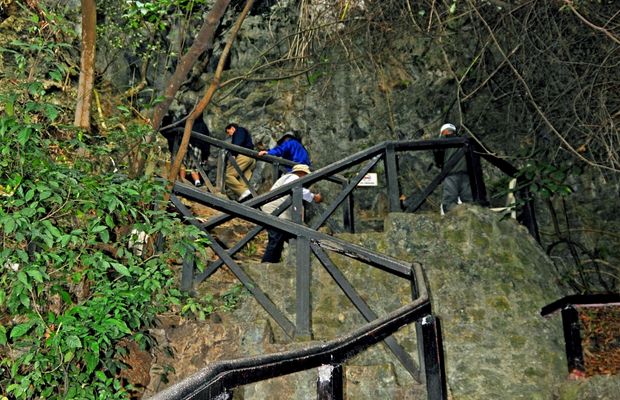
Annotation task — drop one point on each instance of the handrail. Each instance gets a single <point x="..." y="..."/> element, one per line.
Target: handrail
<point x="308" y="240"/>
<point x="357" y="252"/>
<point x="250" y="153"/>
<point x="386" y="150"/>
<point x="216" y="380"/>
<point x="581" y="300"/>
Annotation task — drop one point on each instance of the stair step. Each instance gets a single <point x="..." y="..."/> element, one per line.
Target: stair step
<point x="361" y="382"/>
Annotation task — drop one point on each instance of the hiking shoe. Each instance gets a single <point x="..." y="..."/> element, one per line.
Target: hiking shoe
<point x="245" y="195"/>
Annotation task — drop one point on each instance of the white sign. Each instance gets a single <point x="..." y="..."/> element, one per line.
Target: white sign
<point x="370" y="179"/>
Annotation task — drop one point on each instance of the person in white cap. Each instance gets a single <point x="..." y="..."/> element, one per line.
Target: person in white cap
<point x="275" y="244"/>
<point x="456" y="184"/>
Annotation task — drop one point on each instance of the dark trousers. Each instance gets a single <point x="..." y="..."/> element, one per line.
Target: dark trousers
<point x="275" y="245"/>
<point x="455" y="186"/>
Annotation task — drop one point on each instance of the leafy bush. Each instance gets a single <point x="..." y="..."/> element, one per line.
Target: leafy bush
<point x="75" y="276"/>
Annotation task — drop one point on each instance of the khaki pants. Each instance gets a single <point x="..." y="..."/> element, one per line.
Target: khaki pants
<point x="246" y="165"/>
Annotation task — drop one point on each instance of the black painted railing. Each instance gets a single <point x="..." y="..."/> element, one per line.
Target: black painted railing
<point x="218" y="380"/>
<point x="387" y="152"/>
<point x="309" y="241"/>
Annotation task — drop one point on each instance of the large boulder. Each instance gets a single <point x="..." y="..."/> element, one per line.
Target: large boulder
<point x="488" y="281"/>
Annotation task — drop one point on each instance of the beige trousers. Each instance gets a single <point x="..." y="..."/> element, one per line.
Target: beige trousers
<point x="233" y="181"/>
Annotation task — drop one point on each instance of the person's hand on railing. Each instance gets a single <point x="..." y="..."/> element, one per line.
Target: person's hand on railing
<point x="262" y="153"/>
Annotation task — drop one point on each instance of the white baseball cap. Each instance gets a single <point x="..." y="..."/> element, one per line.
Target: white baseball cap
<point x="447" y="126"/>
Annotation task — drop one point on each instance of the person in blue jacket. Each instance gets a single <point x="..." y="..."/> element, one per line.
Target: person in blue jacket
<point x="290" y="148"/>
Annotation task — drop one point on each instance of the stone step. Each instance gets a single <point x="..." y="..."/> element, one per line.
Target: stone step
<point x="361" y="382"/>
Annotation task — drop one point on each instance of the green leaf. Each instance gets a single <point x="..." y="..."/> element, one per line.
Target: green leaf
<point x="91" y="361"/>
<point x="2" y="335"/>
<point x="44" y="195"/>
<point x="65" y="296"/>
<point x="20" y="330"/>
<point x="121" y="269"/>
<point x="24" y="299"/>
<point x="99" y="228"/>
<point x="100" y="375"/>
<point x="9" y="225"/>
<point x="55" y="231"/>
<point x="121" y="325"/>
<point x="105" y="236"/>
<point x="23" y="136"/>
<point x="49" y="241"/>
<point x="64" y="240"/>
<point x="23" y="278"/>
<point x="56" y="75"/>
<point x="73" y="342"/>
<point x="36" y="275"/>
<point x="29" y="195"/>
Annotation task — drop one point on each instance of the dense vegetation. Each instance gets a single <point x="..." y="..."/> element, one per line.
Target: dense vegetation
<point x="77" y="275"/>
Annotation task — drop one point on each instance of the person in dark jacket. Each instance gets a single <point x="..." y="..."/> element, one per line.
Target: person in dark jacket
<point x="456" y="184"/>
<point x="240" y="137"/>
<point x="290" y="148"/>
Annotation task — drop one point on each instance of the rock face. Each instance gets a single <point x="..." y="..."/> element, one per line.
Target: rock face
<point x="488" y="281"/>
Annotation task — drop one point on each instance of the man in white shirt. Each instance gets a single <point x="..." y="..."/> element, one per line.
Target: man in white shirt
<point x="275" y="245"/>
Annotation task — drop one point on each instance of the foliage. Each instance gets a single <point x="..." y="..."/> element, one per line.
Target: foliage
<point x="75" y="277"/>
<point x="46" y="52"/>
<point x="545" y="179"/>
<point x="202" y="307"/>
<point x="156" y="12"/>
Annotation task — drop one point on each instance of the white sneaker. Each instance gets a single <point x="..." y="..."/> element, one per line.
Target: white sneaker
<point x="245" y="195"/>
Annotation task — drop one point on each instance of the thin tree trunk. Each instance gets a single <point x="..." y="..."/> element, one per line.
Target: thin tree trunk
<point x="87" y="65"/>
<point x="202" y="104"/>
<point x="202" y="42"/>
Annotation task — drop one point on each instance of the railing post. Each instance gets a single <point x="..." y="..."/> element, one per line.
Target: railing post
<point x="187" y="272"/>
<point x="348" y="220"/>
<point x="303" y="274"/>
<point x="302" y="285"/>
<point x="572" y="339"/>
<point x="391" y="176"/>
<point x="297" y="206"/>
<point x="431" y="357"/>
<point x="476" y="179"/>
<point x="329" y="385"/>
<point x="528" y="214"/>
<point x="276" y="171"/>
<point x="220" y="171"/>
